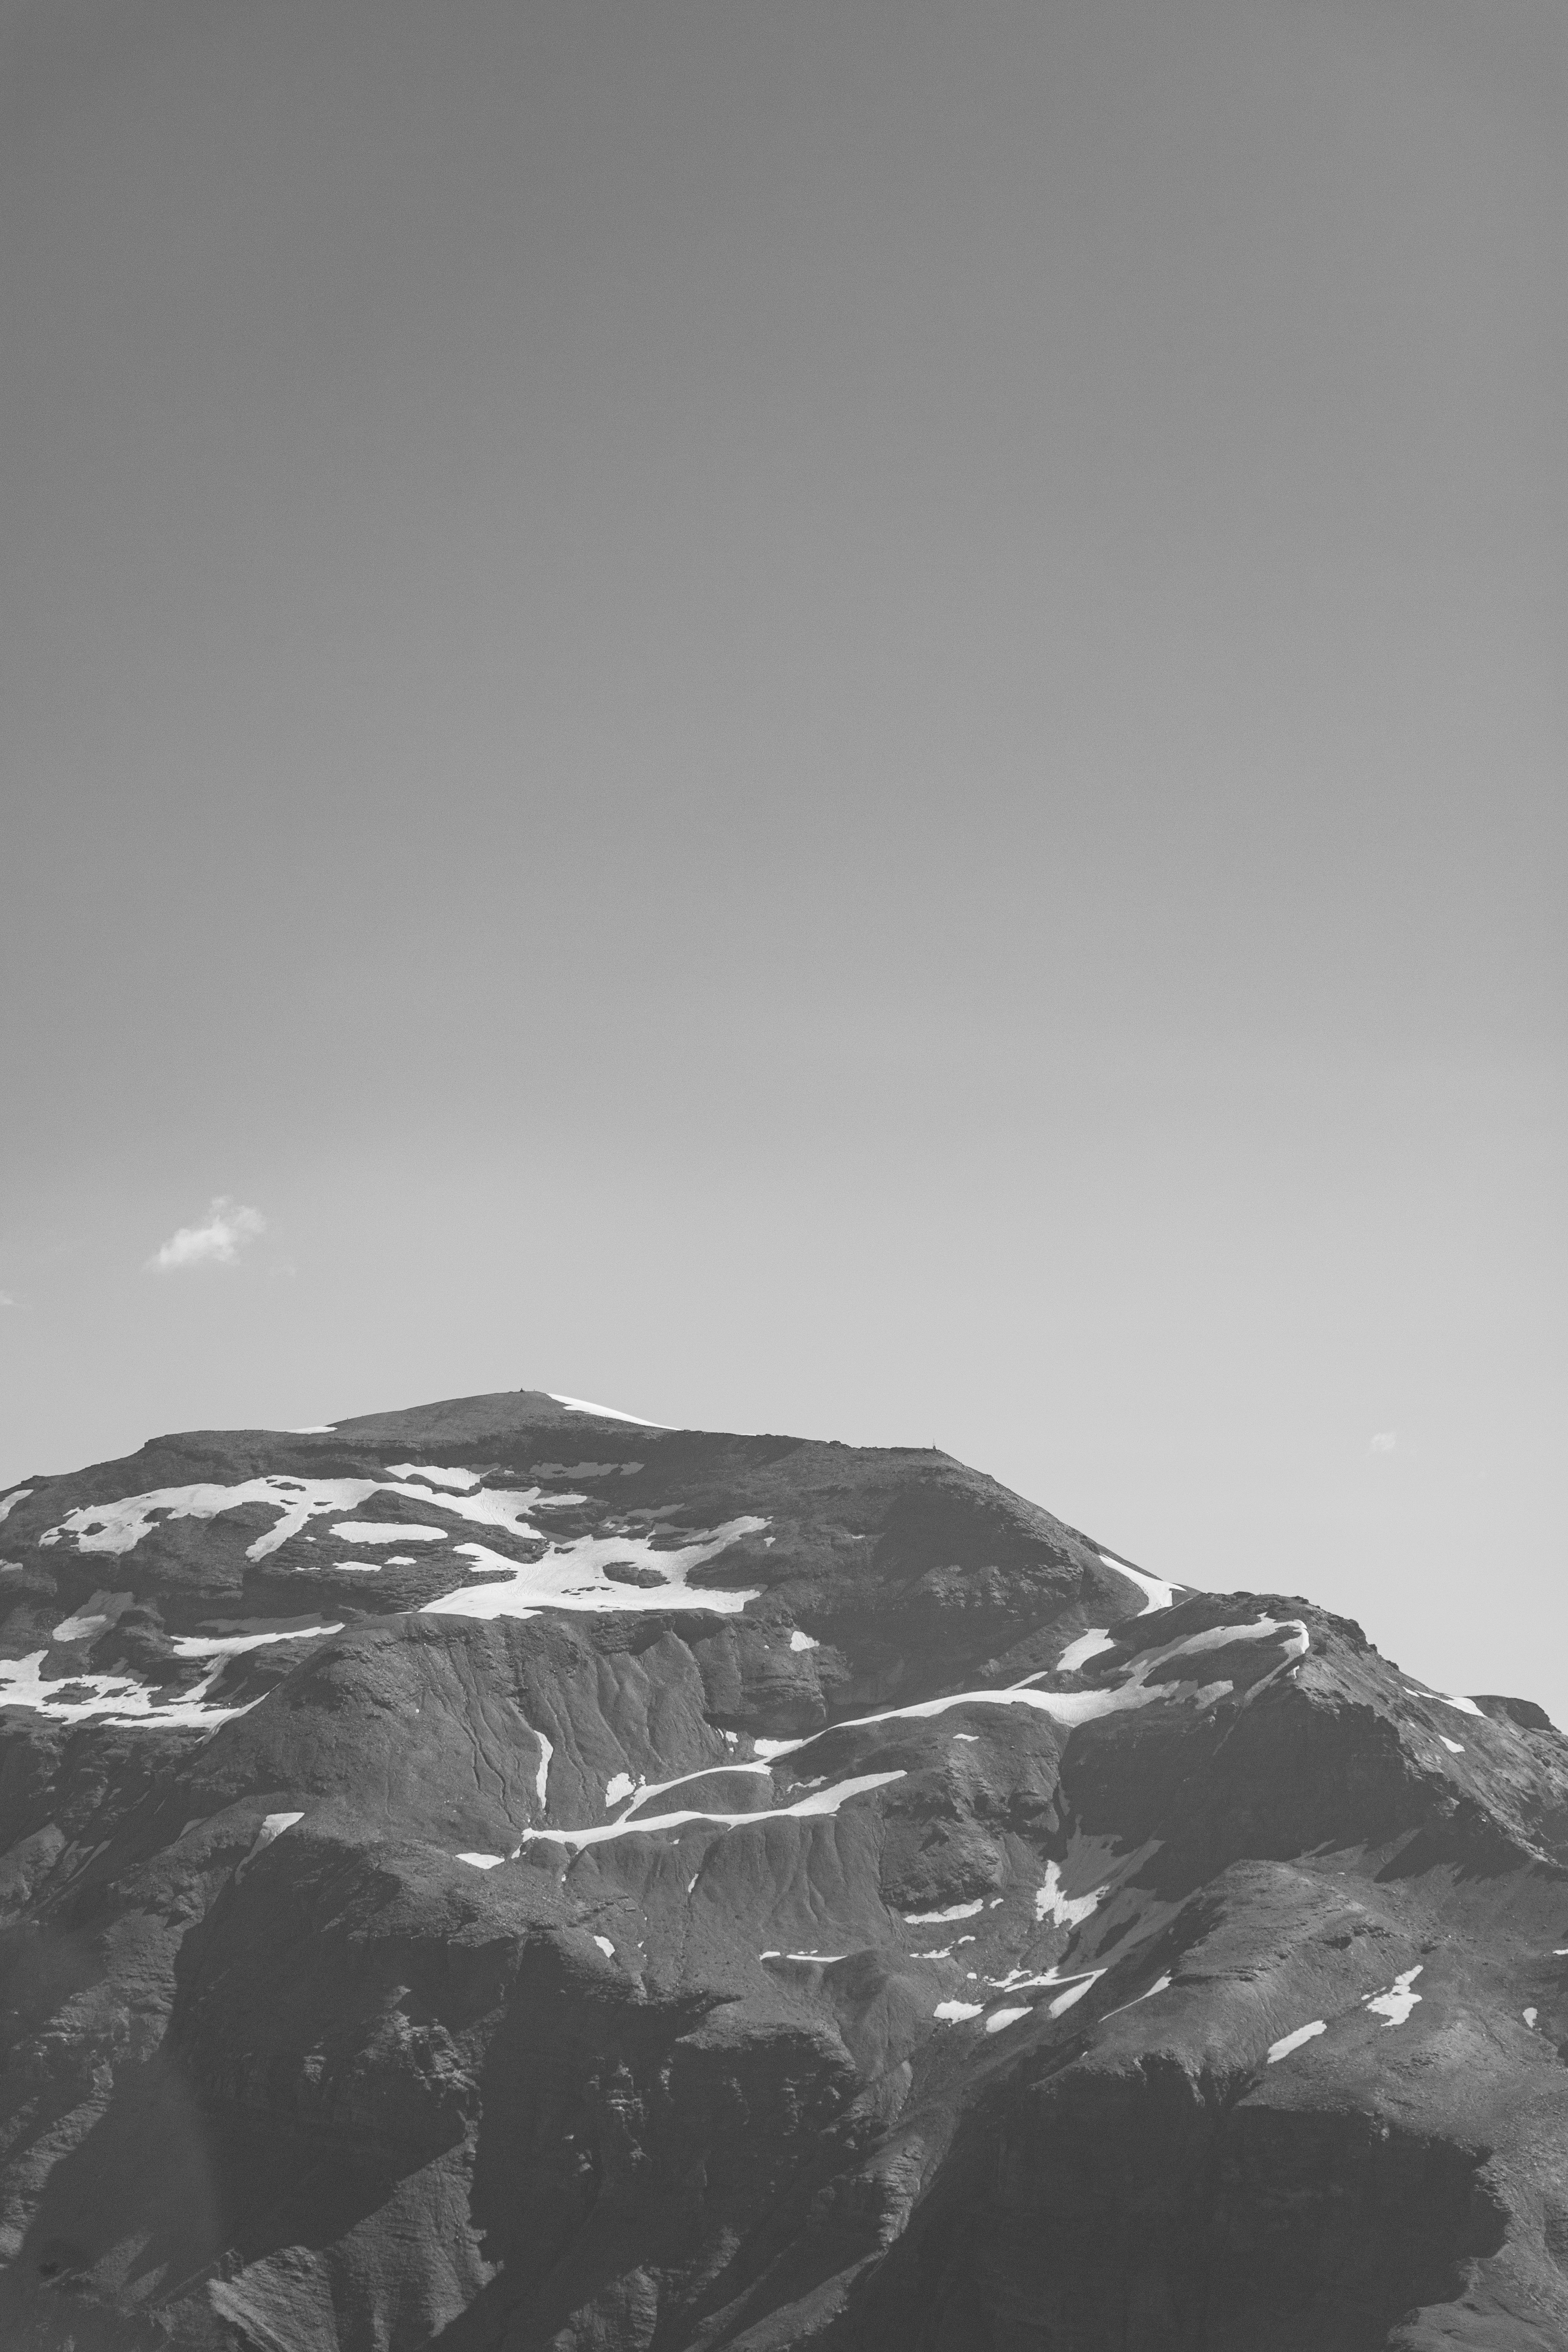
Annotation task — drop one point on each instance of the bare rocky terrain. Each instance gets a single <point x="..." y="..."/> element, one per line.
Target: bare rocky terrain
<point x="503" y="1878"/>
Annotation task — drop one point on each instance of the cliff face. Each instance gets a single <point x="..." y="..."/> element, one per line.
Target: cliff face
<point x="501" y="1877"/>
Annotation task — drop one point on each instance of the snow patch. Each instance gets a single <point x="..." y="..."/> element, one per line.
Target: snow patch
<point x="1000" y="2019"/>
<point x="9" y="1502"/>
<point x="572" y="1576"/>
<point x="1283" y="2047"/>
<point x="541" y="1778"/>
<point x="380" y="1532"/>
<point x="968" y="1738"/>
<point x="1529" y="2016"/>
<point x="1465" y="1705"/>
<point x="799" y="1641"/>
<point x="120" y="1525"/>
<point x="1397" y="2003"/>
<point x="1454" y="1747"/>
<point x="939" y="1918"/>
<point x="955" y="2012"/>
<point x="433" y="1473"/>
<point x="120" y="1699"/>
<point x="103" y="1610"/>
<point x="605" y="1947"/>
<point x="1088" y="1645"/>
<point x="1063" y="1910"/>
<point x="483" y="1861"/>
<point x="272" y="1827"/>
<point x="621" y="1785"/>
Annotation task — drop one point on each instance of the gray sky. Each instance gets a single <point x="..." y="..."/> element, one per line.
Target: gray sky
<point x="839" y="717"/>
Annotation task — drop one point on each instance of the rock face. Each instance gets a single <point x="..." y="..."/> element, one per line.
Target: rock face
<point x="504" y="1877"/>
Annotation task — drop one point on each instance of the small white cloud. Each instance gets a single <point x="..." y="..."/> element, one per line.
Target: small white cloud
<point x="228" y="1228"/>
<point x="1383" y="1442"/>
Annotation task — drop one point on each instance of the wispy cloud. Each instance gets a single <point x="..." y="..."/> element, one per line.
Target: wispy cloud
<point x="1383" y="1442"/>
<point x="229" y="1226"/>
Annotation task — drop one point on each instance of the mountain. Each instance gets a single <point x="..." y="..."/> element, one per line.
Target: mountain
<point x="506" y="1877"/>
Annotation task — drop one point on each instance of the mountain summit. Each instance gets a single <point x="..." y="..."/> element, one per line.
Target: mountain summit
<point x="506" y="1876"/>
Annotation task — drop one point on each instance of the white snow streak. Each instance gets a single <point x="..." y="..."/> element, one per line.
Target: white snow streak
<point x="1157" y="1594"/>
<point x="1161" y="1984"/>
<point x="1071" y="1708"/>
<point x="647" y="1791"/>
<point x="9" y="1502"/>
<point x="1064" y="2000"/>
<point x="541" y="1778"/>
<point x="229" y="1645"/>
<point x="1001" y="2017"/>
<point x="605" y="1411"/>
<point x="483" y="1861"/>
<point x="822" y="1800"/>
<point x="1282" y="2048"/>
<point x="939" y="1918"/>
<point x="1078" y="1982"/>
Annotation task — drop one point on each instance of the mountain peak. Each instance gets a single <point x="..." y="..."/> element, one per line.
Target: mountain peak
<point x="506" y="1873"/>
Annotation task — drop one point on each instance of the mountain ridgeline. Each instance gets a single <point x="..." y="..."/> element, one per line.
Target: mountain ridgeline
<point x="503" y="1878"/>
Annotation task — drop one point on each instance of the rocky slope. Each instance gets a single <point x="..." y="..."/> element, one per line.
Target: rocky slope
<point x="500" y="1876"/>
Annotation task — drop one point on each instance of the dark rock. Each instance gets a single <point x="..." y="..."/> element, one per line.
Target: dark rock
<point x="1523" y="1711"/>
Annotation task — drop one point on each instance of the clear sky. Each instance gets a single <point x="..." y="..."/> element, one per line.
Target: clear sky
<point x="840" y="717"/>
